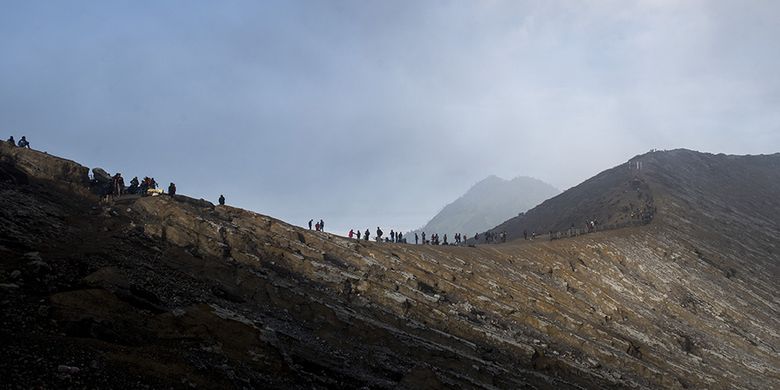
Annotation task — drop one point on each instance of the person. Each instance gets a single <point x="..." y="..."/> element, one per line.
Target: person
<point x="399" y="237"/>
<point x="445" y="239"/>
<point x="310" y="221"/>
<point x="221" y="200"/>
<point x="23" y="143"/>
<point x="153" y="184"/>
<point x="365" y="235"/>
<point x="322" y="225"/>
<point x="317" y="226"/>
<point x="144" y="186"/>
<point x="133" y="186"/>
<point x="11" y="141"/>
<point x="416" y="238"/>
<point x="423" y="237"/>
<point x="392" y="235"/>
<point x="351" y="233"/>
<point x="525" y="234"/>
<point x="118" y="183"/>
<point x="172" y="189"/>
<point x="358" y="235"/>
<point x="378" y="233"/>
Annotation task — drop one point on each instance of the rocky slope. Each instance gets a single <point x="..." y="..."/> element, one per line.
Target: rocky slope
<point x="160" y="292"/>
<point x="488" y="203"/>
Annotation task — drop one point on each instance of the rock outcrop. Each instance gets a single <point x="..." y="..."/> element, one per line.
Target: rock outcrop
<point x="44" y="166"/>
<point x="168" y="292"/>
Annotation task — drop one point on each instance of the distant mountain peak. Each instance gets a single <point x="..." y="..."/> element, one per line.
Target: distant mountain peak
<point x="488" y="202"/>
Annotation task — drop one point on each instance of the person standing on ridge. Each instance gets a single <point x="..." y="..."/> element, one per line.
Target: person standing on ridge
<point x="416" y="238"/>
<point x="351" y="233"/>
<point x="378" y="234"/>
<point x="366" y="234"/>
<point x="23" y="143"/>
<point x="358" y="235"/>
<point x="322" y="225"/>
<point x="221" y="200"/>
<point x="392" y="235"/>
<point x="317" y="226"/>
<point x="399" y="238"/>
<point x="310" y="221"/>
<point x="172" y="190"/>
<point x="118" y="183"/>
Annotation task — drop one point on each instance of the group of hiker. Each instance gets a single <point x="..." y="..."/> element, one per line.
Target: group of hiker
<point x="491" y="237"/>
<point x="106" y="185"/>
<point x="399" y="238"/>
<point x="115" y="186"/>
<point x="396" y="237"/>
<point x="23" y="143"/>
<point x="318" y="226"/>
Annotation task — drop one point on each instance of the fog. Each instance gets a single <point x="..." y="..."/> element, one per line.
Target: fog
<point x="373" y="114"/>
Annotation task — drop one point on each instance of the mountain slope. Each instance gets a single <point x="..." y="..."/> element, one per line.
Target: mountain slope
<point x="488" y="203"/>
<point x="161" y="292"/>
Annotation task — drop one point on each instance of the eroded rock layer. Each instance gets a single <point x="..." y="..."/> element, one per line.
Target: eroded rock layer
<point x="161" y="292"/>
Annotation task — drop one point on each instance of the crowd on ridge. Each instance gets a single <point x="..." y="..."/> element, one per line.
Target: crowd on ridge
<point x="115" y="187"/>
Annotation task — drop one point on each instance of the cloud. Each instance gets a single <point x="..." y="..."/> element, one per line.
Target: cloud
<point x="371" y="113"/>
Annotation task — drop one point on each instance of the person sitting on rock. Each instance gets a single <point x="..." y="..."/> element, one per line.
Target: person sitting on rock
<point x="133" y="189"/>
<point x="221" y="200"/>
<point x="23" y="143"/>
<point x="172" y="189"/>
<point x="144" y="186"/>
<point x="11" y="141"/>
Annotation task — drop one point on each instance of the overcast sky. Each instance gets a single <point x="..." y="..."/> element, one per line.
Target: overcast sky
<point x="369" y="113"/>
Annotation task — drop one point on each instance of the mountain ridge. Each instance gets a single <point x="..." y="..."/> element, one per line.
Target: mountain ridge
<point x="176" y="292"/>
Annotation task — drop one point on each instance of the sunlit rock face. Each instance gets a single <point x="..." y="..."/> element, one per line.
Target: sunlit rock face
<point x="178" y="292"/>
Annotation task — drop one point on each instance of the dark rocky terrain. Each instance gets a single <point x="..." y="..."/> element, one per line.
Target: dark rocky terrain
<point x="158" y="292"/>
<point x="488" y="203"/>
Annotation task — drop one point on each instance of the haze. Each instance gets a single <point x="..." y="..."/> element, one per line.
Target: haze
<point x="372" y="113"/>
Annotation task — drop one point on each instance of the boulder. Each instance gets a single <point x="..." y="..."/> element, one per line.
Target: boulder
<point x="101" y="176"/>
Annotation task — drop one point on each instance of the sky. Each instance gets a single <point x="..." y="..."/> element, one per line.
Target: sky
<point x="379" y="113"/>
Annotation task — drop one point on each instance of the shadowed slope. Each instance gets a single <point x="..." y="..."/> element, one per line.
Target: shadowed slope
<point x="168" y="293"/>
